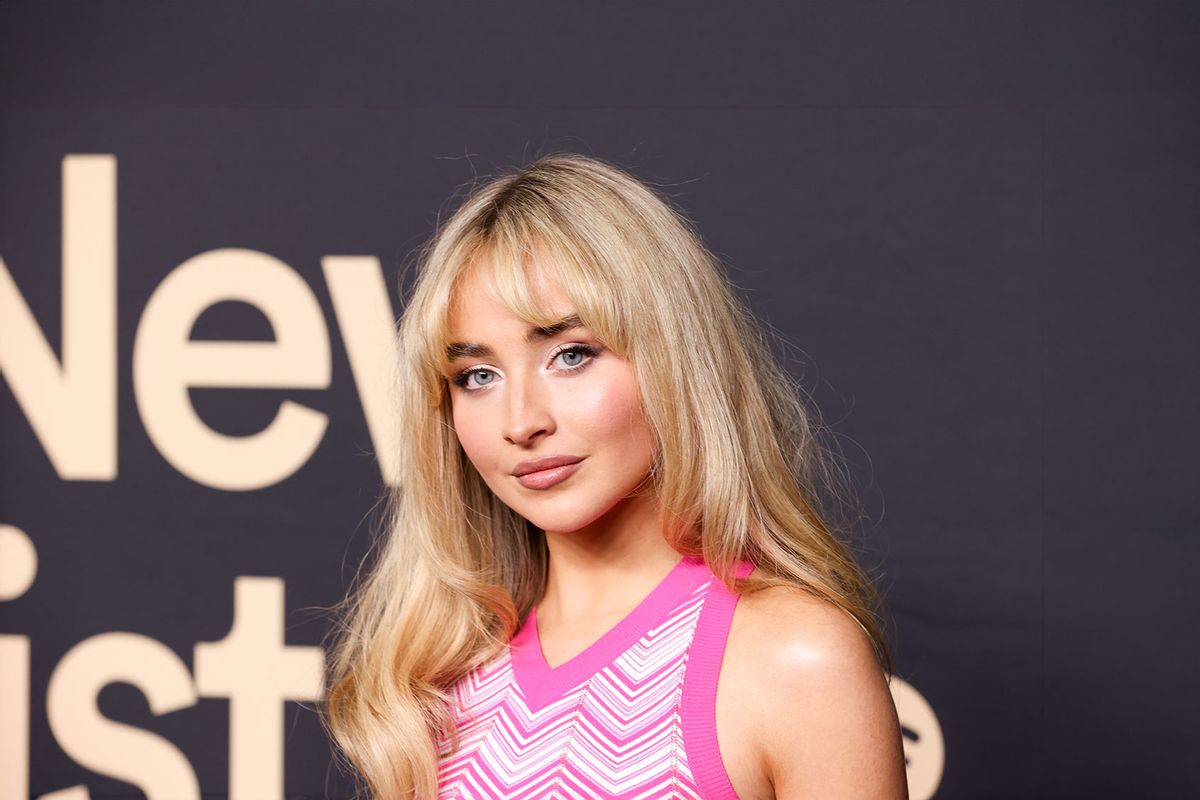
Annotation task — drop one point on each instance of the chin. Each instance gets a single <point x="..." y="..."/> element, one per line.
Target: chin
<point x="560" y="515"/>
<point x="558" y="523"/>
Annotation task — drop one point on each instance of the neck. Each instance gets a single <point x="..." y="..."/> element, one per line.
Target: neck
<point x="606" y="566"/>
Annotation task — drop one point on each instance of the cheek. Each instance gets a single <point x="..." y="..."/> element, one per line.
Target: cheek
<point x="471" y="434"/>
<point x="613" y="411"/>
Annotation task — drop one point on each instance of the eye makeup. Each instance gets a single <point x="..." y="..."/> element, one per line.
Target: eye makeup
<point x="462" y="378"/>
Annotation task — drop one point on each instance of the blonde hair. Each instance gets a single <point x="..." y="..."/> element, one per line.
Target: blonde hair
<point x="738" y="467"/>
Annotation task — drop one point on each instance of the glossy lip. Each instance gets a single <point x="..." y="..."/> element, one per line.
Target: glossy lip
<point x="545" y="478"/>
<point x="539" y="464"/>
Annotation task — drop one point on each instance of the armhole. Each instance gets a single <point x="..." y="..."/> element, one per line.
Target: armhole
<point x="698" y="703"/>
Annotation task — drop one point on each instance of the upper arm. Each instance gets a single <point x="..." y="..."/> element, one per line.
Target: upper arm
<point x="829" y="724"/>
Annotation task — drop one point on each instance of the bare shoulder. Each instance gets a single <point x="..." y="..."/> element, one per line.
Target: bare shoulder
<point x="813" y="700"/>
<point x="794" y="630"/>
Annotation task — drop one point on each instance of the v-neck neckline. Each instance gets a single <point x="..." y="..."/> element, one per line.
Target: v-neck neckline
<point x="541" y="683"/>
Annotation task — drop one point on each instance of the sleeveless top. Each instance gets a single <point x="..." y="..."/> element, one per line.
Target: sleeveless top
<point x="632" y="716"/>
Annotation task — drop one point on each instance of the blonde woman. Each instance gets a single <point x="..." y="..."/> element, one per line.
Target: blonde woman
<point x="606" y="572"/>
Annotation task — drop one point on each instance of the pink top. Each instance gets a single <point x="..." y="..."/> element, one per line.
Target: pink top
<point x="633" y="715"/>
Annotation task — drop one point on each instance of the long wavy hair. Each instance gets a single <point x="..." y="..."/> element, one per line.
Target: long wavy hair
<point x="739" y="469"/>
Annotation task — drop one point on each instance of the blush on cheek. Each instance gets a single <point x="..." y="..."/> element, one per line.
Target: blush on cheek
<point x="469" y="437"/>
<point x="614" y="409"/>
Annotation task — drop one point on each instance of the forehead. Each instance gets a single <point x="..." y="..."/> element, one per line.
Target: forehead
<point x="475" y="302"/>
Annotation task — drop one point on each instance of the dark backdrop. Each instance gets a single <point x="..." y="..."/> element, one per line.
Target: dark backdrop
<point x="974" y="227"/>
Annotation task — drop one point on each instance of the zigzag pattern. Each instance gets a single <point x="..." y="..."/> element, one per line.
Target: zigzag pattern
<point x="616" y="734"/>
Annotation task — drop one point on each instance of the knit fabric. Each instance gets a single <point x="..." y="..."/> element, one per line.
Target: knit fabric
<point x="632" y="716"/>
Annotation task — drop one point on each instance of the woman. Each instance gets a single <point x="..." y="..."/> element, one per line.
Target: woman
<point x="609" y="499"/>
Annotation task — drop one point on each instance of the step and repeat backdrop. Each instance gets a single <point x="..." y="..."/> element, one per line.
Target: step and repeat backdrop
<point x="974" y="245"/>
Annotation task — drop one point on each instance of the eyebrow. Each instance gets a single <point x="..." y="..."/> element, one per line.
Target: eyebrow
<point x="456" y="350"/>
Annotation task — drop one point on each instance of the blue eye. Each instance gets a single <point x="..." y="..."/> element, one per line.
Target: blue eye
<point x="576" y="357"/>
<point x="573" y="351"/>
<point x="462" y="377"/>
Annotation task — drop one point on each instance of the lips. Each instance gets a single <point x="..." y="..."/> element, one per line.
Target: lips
<point x="545" y="478"/>
<point x="549" y="462"/>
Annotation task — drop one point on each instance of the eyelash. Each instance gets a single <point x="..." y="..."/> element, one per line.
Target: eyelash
<point x="460" y="380"/>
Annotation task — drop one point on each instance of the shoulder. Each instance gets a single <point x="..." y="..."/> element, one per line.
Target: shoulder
<point x="796" y="630"/>
<point x="824" y="720"/>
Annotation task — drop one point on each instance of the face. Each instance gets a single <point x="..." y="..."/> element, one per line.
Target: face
<point x="522" y="395"/>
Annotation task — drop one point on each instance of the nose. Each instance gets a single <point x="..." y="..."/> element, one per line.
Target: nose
<point x="528" y="413"/>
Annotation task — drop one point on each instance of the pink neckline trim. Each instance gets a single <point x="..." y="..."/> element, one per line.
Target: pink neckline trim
<point x="542" y="684"/>
<point x="698" y="712"/>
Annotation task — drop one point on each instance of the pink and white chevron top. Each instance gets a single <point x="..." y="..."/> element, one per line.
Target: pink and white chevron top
<point x="632" y="716"/>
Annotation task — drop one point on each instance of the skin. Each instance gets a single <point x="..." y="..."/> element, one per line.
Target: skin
<point x="839" y="737"/>
<point x="803" y="709"/>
